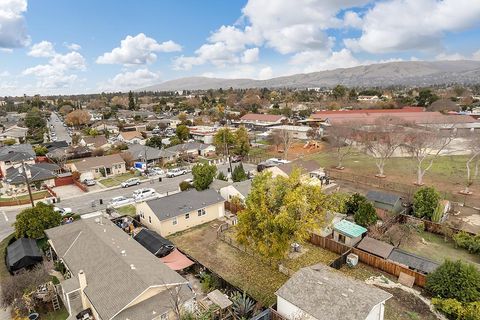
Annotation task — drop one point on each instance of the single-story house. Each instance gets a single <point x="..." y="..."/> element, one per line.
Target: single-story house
<point x="154" y="155"/>
<point x="23" y="253"/>
<point x="319" y="292"/>
<point x="96" y="167"/>
<point x="155" y="243"/>
<point x="285" y="169"/>
<point x="348" y="233"/>
<point x="193" y="149"/>
<point x="236" y="189"/>
<point x="133" y="137"/>
<point x="14" y="155"/>
<point x="53" y="145"/>
<point x="181" y="211"/>
<point x="43" y="172"/>
<point x="297" y="132"/>
<point x="14" y="133"/>
<point x="413" y="261"/>
<point x="94" y="142"/>
<point x="114" y="275"/>
<point x="388" y="202"/>
<point x="107" y="127"/>
<point x="373" y="246"/>
<point x="261" y="120"/>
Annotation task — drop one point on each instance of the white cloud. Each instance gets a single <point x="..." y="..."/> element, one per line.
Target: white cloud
<point x="250" y="55"/>
<point x="136" y="50"/>
<point x="265" y="73"/>
<point x="130" y="80"/>
<point x="352" y="19"/>
<point x="4" y="74"/>
<point x="72" y="46"/>
<point x="450" y="56"/>
<point x="399" y="25"/>
<point x="215" y="53"/>
<point x="13" y="31"/>
<point x="42" y="49"/>
<point x="476" y="55"/>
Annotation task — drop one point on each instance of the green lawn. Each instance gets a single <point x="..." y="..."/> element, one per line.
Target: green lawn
<point x="128" y="210"/>
<point x="3" y="248"/>
<point x="312" y="255"/>
<point x="437" y="249"/>
<point x="61" y="314"/>
<point x="36" y="196"/>
<point x="116" y="180"/>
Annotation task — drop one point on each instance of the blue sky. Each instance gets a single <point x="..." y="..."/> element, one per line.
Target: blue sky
<point x="67" y="46"/>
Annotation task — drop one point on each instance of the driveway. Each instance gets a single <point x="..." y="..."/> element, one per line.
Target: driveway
<point x="67" y="191"/>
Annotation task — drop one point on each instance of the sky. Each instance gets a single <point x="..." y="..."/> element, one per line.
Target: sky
<point x="90" y="46"/>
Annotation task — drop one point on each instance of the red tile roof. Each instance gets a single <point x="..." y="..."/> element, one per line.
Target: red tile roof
<point x="261" y="117"/>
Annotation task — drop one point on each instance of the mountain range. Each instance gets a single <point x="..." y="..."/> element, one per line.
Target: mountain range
<point x="405" y="73"/>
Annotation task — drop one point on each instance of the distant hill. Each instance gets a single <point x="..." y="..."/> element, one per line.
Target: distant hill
<point x="407" y="73"/>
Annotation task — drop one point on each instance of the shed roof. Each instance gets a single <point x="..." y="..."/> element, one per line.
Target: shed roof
<point x="21" y="249"/>
<point x="154" y="242"/>
<point x="413" y="261"/>
<point x="349" y="229"/>
<point x="325" y="293"/>
<point x="375" y="247"/>
<point x="383" y="197"/>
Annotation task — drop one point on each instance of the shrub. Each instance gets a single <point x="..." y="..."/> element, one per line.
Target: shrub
<point x="209" y="282"/>
<point x="425" y="201"/>
<point x="467" y="241"/>
<point x="222" y="176"/>
<point x="455" y="280"/>
<point x="366" y="214"/>
<point x="239" y="174"/>
<point x="184" y="185"/>
<point x="456" y="310"/>
<point x="203" y="175"/>
<point x="353" y="202"/>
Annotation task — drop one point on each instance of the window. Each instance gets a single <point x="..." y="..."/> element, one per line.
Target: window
<point x="149" y="219"/>
<point x="187" y="215"/>
<point x="174" y="222"/>
<point x="341" y="238"/>
<point x="201" y="212"/>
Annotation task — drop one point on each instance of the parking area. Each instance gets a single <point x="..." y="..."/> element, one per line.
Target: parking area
<point x="64" y="192"/>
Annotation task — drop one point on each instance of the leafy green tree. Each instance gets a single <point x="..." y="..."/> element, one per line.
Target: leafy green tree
<point x="426" y="97"/>
<point x="131" y="101"/>
<point x="203" y="175"/>
<point x="239" y="173"/>
<point x="353" y="203"/>
<point x="242" y="142"/>
<point x="40" y="150"/>
<point x="185" y="185"/>
<point x="280" y="211"/>
<point x="222" y="176"/>
<point x="366" y="214"/>
<point x="425" y="201"/>
<point x="182" y="132"/>
<point x="224" y="139"/>
<point x="339" y="91"/>
<point x="455" y="279"/>
<point x="154" y="142"/>
<point x="32" y="222"/>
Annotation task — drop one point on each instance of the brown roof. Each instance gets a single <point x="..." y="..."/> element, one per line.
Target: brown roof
<point x="304" y="166"/>
<point x="129" y="135"/>
<point x="97" y="141"/>
<point x="95" y="162"/>
<point x="375" y="247"/>
<point x="261" y="117"/>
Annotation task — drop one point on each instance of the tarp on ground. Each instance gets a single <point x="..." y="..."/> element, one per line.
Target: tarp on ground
<point x="23" y="253"/>
<point x="177" y="260"/>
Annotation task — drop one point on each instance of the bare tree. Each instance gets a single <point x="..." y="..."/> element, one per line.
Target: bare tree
<point x="274" y="139"/>
<point x="425" y="144"/>
<point x="474" y="157"/>
<point x="382" y="139"/>
<point x="285" y="138"/>
<point x="342" y="138"/>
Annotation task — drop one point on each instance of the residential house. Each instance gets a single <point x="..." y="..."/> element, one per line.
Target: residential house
<point x="14" y="133"/>
<point x="192" y="149"/>
<point x="285" y="169"/>
<point x="132" y="137"/>
<point x="181" y="211"/>
<point x="260" y="120"/>
<point x="53" y="145"/>
<point x="14" y="155"/>
<point x="113" y="275"/>
<point x="296" y="132"/>
<point x="154" y="155"/>
<point x="385" y="202"/>
<point x="236" y="189"/>
<point x="42" y="173"/>
<point x="111" y="128"/>
<point x="203" y="134"/>
<point x="320" y="292"/>
<point x="370" y="99"/>
<point x="96" y="167"/>
<point x="95" y="142"/>
<point x="348" y="233"/>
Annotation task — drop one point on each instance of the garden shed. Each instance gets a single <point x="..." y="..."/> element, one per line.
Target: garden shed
<point x="385" y="201"/>
<point x="23" y="253"/>
<point x="348" y="233"/>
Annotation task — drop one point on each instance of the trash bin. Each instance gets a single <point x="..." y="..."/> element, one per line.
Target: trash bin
<point x="101" y="201"/>
<point x="159" y="179"/>
<point x="54" y="200"/>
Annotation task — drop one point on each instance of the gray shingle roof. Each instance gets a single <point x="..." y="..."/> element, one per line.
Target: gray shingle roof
<point x="243" y="187"/>
<point x="21" y="148"/>
<point x="183" y="202"/>
<point x="383" y="197"/>
<point x="304" y="166"/>
<point x="376" y="247"/>
<point x="39" y="172"/>
<point x="112" y="282"/>
<point x="413" y="261"/>
<point x="325" y="293"/>
<point x="152" y="153"/>
<point x="188" y="146"/>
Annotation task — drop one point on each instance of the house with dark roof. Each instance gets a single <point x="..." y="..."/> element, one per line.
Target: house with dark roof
<point x="388" y="202"/>
<point x="11" y="156"/>
<point x="38" y="173"/>
<point x="113" y="275"/>
<point x="181" y="211"/>
<point x="319" y="292"/>
<point x="193" y="149"/>
<point x="285" y="169"/>
<point x="153" y="155"/>
<point x="14" y="133"/>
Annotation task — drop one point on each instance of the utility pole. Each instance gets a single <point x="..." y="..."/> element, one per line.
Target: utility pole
<point x="27" y="181"/>
<point x="226" y="149"/>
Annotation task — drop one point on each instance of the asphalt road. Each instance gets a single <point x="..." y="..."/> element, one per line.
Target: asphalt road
<point x="59" y="129"/>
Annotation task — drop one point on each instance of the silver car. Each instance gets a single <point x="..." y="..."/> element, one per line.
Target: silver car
<point x="130" y="182"/>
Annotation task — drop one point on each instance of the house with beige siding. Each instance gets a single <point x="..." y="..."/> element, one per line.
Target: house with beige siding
<point x="96" y="167"/>
<point x="181" y="211"/>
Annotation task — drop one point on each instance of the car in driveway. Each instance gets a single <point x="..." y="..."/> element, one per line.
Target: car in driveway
<point x="120" y="201"/>
<point x="130" y="182"/>
<point x="63" y="211"/>
<point x="176" y="172"/>
<point x="89" y="182"/>
<point x="143" y="193"/>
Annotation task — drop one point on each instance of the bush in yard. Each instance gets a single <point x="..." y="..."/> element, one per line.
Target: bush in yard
<point x="203" y="175"/>
<point x="184" y="185"/>
<point x="209" y="282"/>
<point x="222" y="176"/>
<point x="366" y="214"/>
<point x="425" y="201"/>
<point x="456" y="280"/>
<point x="467" y="241"/>
<point x="239" y="174"/>
<point x="32" y="222"/>
<point x="353" y="202"/>
<point x="455" y="310"/>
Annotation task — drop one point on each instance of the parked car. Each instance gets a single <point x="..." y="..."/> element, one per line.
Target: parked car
<point x="130" y="182"/>
<point x="189" y="180"/>
<point x="89" y="182"/>
<point x="143" y="193"/>
<point x="63" y="211"/>
<point x="236" y="158"/>
<point x="158" y="171"/>
<point x="121" y="200"/>
<point x="176" y="172"/>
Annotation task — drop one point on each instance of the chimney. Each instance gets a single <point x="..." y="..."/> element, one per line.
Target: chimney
<point x="82" y="280"/>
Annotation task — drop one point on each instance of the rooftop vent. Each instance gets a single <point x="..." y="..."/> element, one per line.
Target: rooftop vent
<point x="345" y="295"/>
<point x="132" y="266"/>
<point x="124" y="254"/>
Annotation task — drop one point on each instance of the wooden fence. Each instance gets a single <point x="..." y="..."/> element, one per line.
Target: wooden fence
<point x="368" y="259"/>
<point x="433" y="227"/>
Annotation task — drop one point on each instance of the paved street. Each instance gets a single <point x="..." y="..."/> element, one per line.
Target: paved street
<point x="59" y="129"/>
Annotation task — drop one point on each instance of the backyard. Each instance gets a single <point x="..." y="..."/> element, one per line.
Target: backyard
<point x="116" y="180"/>
<point x="128" y="210"/>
